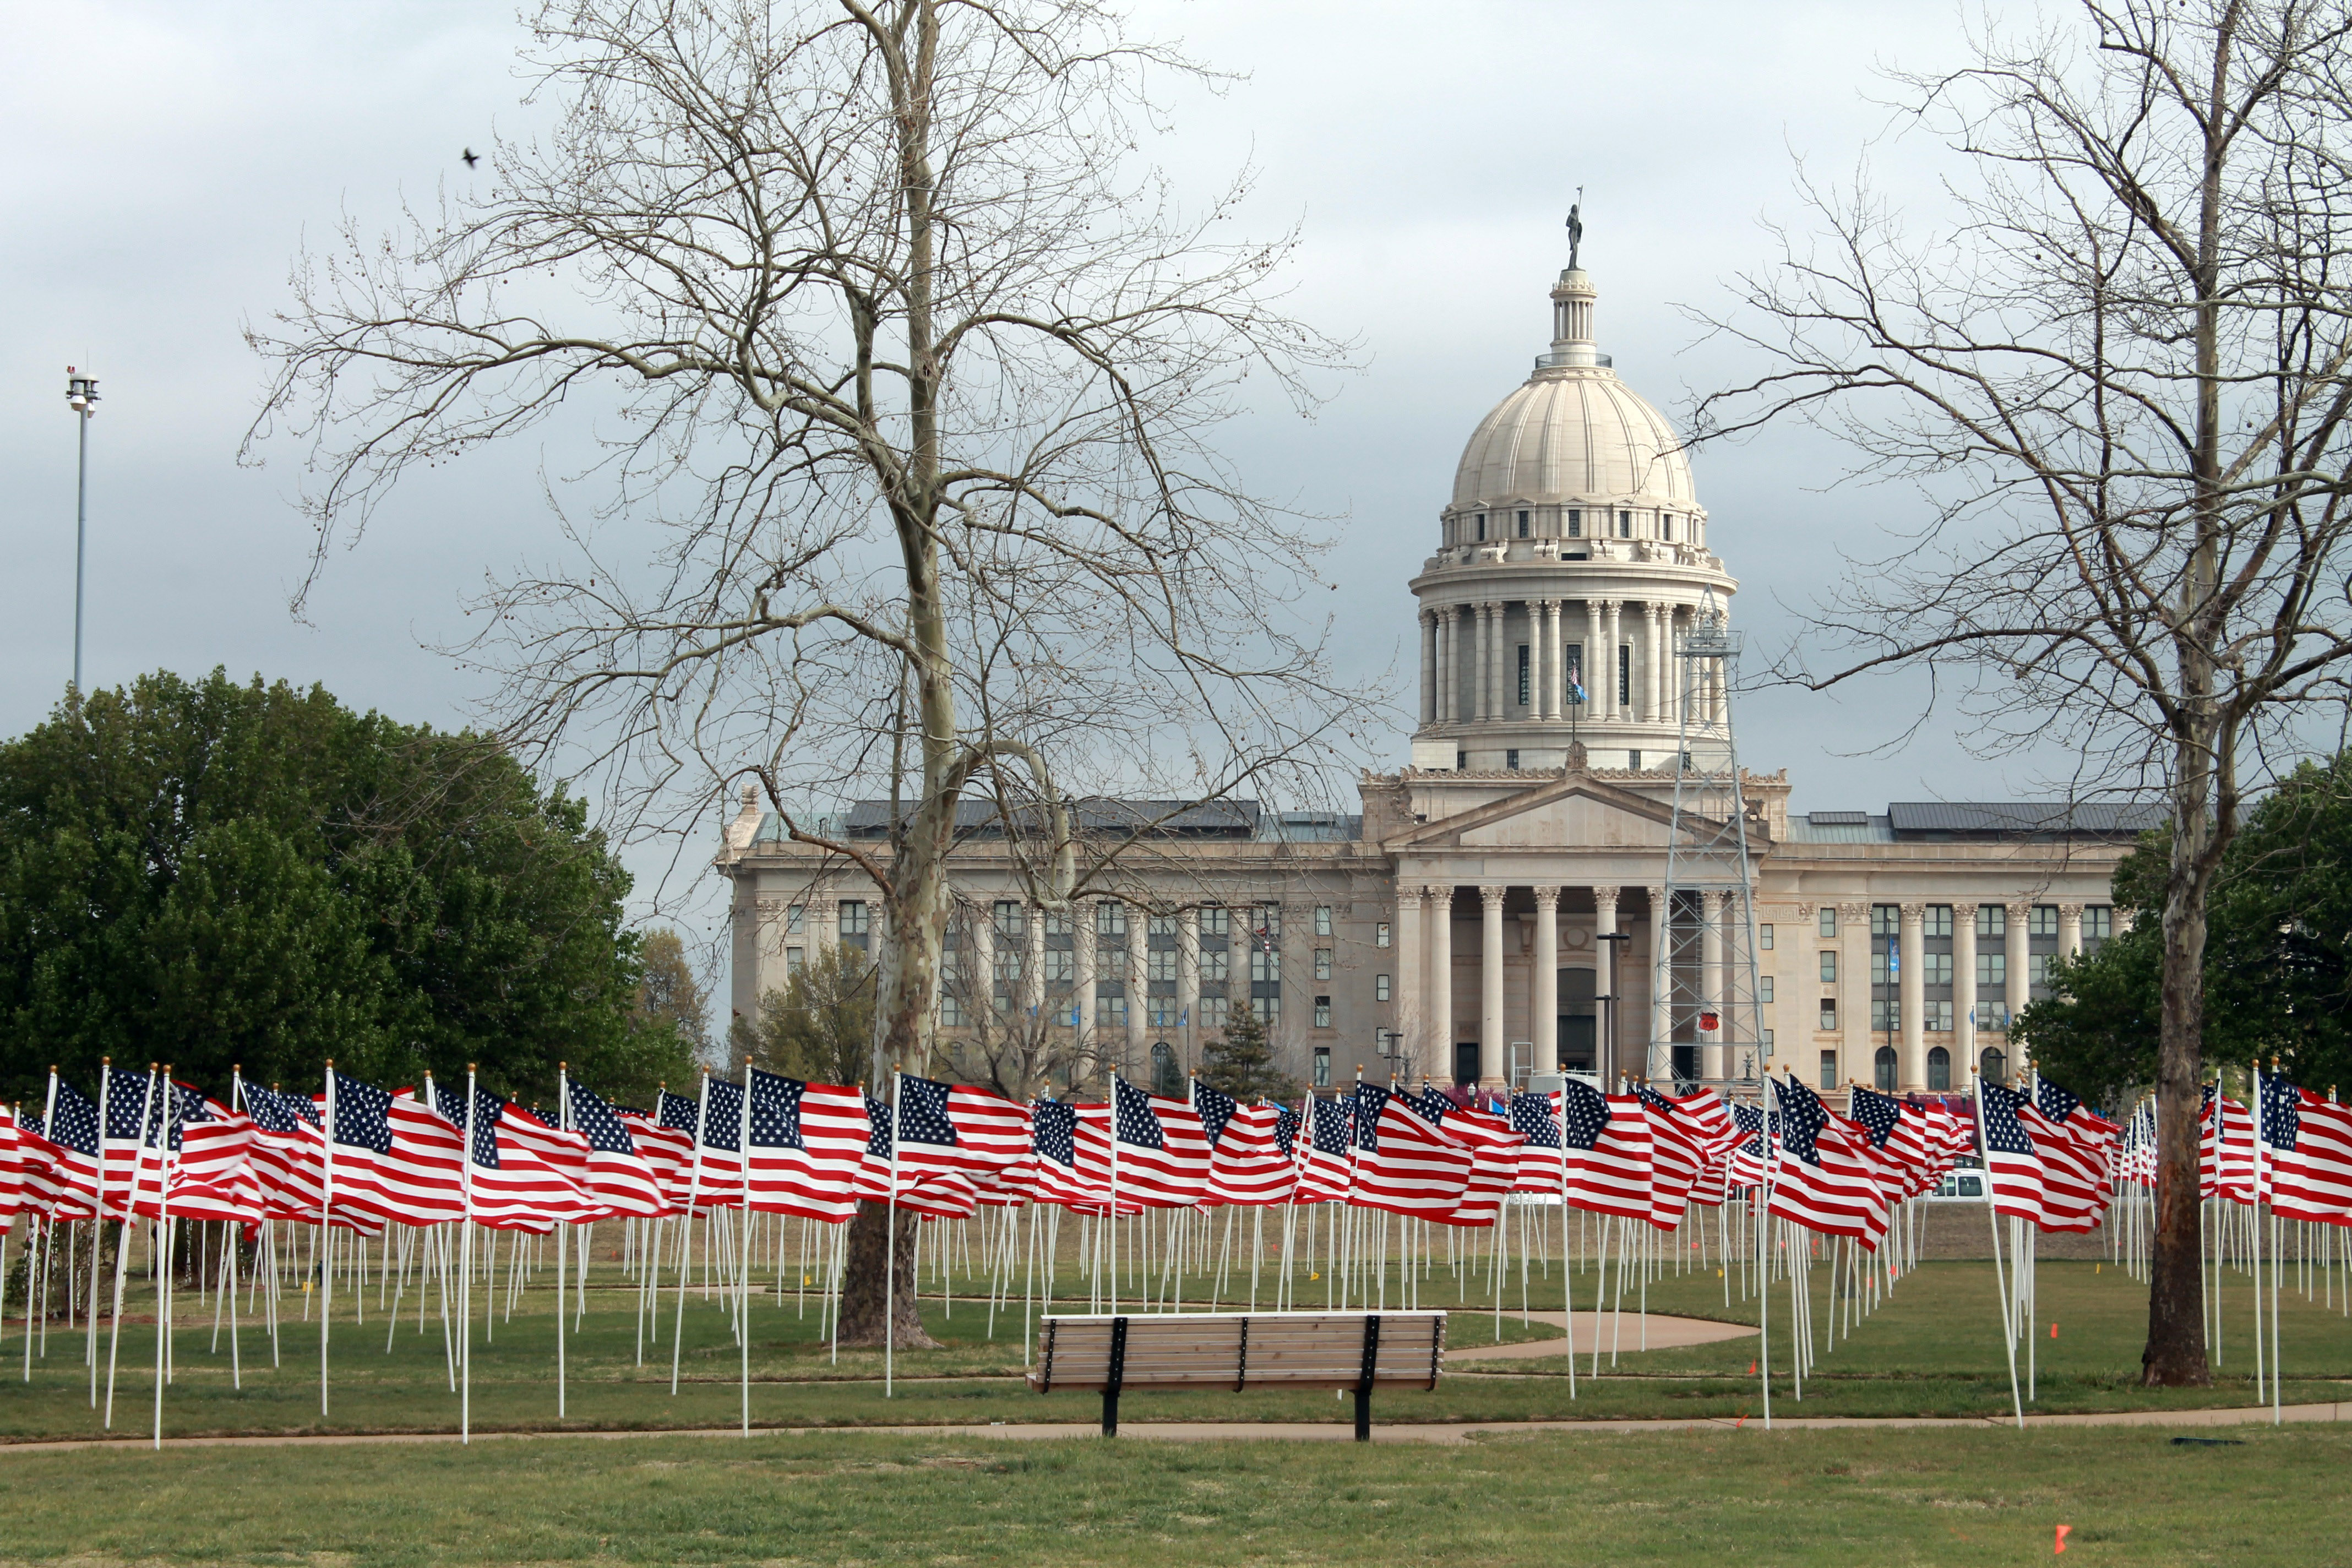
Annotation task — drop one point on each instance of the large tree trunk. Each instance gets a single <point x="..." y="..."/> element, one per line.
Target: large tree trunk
<point x="867" y="1300"/>
<point x="2175" y="1353"/>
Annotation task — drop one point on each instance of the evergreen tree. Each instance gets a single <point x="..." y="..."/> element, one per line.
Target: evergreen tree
<point x="1242" y="1063"/>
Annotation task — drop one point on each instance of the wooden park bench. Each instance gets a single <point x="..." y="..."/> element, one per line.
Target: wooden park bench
<point x="1357" y="1350"/>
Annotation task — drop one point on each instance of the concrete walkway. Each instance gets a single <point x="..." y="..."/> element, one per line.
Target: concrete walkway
<point x="1657" y="1332"/>
<point x="1280" y="1431"/>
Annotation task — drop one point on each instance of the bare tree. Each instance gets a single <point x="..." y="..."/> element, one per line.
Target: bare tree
<point x="2119" y="377"/>
<point x="904" y="364"/>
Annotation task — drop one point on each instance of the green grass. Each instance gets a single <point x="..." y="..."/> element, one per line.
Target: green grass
<point x="1933" y="1348"/>
<point x="1944" y="1497"/>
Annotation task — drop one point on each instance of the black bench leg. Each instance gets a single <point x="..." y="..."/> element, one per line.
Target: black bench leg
<point x="1110" y="1412"/>
<point x="1363" y="1416"/>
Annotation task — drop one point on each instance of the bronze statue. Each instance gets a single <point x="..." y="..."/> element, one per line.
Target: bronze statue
<point x="1575" y="228"/>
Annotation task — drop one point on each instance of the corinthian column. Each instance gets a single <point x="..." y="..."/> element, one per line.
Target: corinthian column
<point x="1654" y="661"/>
<point x="1616" y="708"/>
<point x="1490" y="998"/>
<point x="1428" y="666"/>
<point x="1543" y="1002"/>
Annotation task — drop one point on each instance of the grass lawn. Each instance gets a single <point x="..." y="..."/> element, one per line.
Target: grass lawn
<point x="1953" y="1497"/>
<point x="1934" y="1348"/>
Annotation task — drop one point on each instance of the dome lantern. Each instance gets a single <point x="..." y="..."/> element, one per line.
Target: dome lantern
<point x="1571" y="323"/>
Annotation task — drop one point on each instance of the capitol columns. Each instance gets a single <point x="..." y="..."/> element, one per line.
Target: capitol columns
<point x="1440" y="975"/>
<point x="1616" y="709"/>
<point x="1964" y="986"/>
<point x="1412" y="1026"/>
<point x="1605" y="969"/>
<point x="2070" y="930"/>
<point x="1654" y="663"/>
<point x="1490" y="988"/>
<point x="1596" y="700"/>
<point x="1854" y="988"/>
<point x="1428" y="667"/>
<point x="1911" y="1070"/>
<point x="1556" y="671"/>
<point x="2020" y="946"/>
<point x="1543" y="999"/>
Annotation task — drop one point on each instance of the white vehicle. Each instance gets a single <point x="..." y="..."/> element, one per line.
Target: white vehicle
<point x="1961" y="1184"/>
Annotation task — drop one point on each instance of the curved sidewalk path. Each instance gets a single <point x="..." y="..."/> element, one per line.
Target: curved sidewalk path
<point x="1631" y="1336"/>
<point x="1259" y="1431"/>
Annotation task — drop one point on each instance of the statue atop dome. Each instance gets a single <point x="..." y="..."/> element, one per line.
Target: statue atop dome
<point x="1575" y="227"/>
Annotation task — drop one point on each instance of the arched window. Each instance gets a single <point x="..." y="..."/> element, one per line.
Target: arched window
<point x="1884" y="1065"/>
<point x="1939" y="1068"/>
<point x="1165" y="1079"/>
<point x="1994" y="1064"/>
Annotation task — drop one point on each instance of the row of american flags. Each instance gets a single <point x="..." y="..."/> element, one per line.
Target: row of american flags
<point x="359" y="1157"/>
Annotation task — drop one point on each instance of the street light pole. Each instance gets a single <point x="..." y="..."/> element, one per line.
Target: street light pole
<point x="81" y="396"/>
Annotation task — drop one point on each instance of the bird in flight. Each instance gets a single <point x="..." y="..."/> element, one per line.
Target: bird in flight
<point x="472" y="157"/>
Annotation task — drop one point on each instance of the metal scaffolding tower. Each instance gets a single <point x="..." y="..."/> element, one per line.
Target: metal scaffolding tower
<point x="1707" y="1025"/>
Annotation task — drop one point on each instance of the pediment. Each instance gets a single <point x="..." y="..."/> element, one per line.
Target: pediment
<point x="1577" y="810"/>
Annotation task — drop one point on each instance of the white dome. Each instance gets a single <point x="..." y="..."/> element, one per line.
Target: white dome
<point x="1574" y="433"/>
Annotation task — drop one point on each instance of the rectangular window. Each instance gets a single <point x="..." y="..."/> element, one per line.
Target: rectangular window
<point x="1624" y="525"/>
<point x="1323" y="1004"/>
<point x="1633" y="761"/>
<point x="1764" y="938"/>
<point x="1110" y="919"/>
<point x="1938" y="920"/>
<point x="1008" y="965"/>
<point x="1216" y="921"/>
<point x="1828" y="1024"/>
<point x="1885" y="919"/>
<point x="2098" y="922"/>
<point x="1322" y="1067"/>
<point x="1880" y="958"/>
<point x="1993" y="919"/>
<point x="1829" y="919"/>
<point x="1264" y="967"/>
<point x="1523" y="525"/>
<point x="1160" y="963"/>
<point x="1992" y="970"/>
<point x="1379" y="988"/>
<point x="1216" y="965"/>
<point x="1322" y="963"/>
<point x="1572" y="663"/>
<point x="1214" y="1010"/>
<point x="1829" y="1070"/>
<point x="951" y="1011"/>
<point x="1322" y="919"/>
<point x="1009" y="922"/>
<point x="2037" y="968"/>
<point x="1939" y="1017"/>
<point x="853" y="917"/>
<point x="1482" y="527"/>
<point x="2042" y="922"/>
<point x="1767" y="1042"/>
<point x="1160" y="1011"/>
<point x="1575" y="523"/>
<point x="1934" y="969"/>
<point x="1763" y="988"/>
<point x="1624" y="674"/>
<point x="1525" y="665"/>
<point x="793" y="918"/>
<point x="1380" y="934"/>
<point x="1666" y="526"/>
<point x="1267" y="1008"/>
<point x="1511" y="760"/>
<point x="1057" y="923"/>
<point x="1885" y="1013"/>
<point x="794" y="957"/>
<point x="1061" y="966"/>
<point x="1829" y="966"/>
<point x="1161" y="925"/>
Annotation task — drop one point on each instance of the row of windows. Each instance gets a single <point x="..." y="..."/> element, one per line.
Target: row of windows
<point x="1992" y="1062"/>
<point x="1886" y="1013"/>
<point x="1569" y="524"/>
<point x="1992" y="920"/>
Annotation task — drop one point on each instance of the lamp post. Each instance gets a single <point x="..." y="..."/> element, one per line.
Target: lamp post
<point x="81" y="396"/>
<point x="1609" y="1007"/>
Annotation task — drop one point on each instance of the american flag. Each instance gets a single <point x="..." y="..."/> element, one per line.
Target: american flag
<point x="2308" y="1154"/>
<point x="1216" y="1109"/>
<point x="934" y="1194"/>
<point x="2075" y="1182"/>
<point x="1676" y="1157"/>
<point x="134" y="1164"/>
<point x="1898" y="1141"/>
<point x="70" y="1182"/>
<point x="1433" y="1103"/>
<point x="527" y="1175"/>
<point x="1249" y="1166"/>
<point x="12" y="1169"/>
<point x="2225" y="1150"/>
<point x="2012" y="1165"/>
<point x="1162" y="1154"/>
<point x="958" y="1129"/>
<point x="1744" y="1166"/>
<point x="1825" y="1179"/>
<point x="395" y="1158"/>
<point x="1286" y="1131"/>
<point x="1543" y="1164"/>
<point x="719" y="1156"/>
<point x="1608" y="1151"/>
<point x="808" y="1143"/>
<point x="288" y="1154"/>
<point x="1495" y="1147"/>
<point x="619" y="1176"/>
<point x="1323" y="1170"/>
<point x="1404" y="1166"/>
<point x="1055" y="1174"/>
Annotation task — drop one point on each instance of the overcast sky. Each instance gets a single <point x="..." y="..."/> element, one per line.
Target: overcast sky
<point x="165" y="162"/>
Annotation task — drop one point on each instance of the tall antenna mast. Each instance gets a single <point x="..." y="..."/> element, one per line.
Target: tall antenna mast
<point x="1707" y="1027"/>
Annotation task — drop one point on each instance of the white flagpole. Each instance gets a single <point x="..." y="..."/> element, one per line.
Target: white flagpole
<point x="686" y="1226"/>
<point x="98" y="1217"/>
<point x="466" y="1281"/>
<point x="563" y="1235"/>
<point x="1992" y="1217"/>
<point x="743" y="1270"/>
<point x="123" y="1239"/>
<point x="326" y="1237"/>
<point x="1110" y="1219"/>
<point x="1764" y="1254"/>
<point x="164" y="1229"/>
<point x="890" y="1248"/>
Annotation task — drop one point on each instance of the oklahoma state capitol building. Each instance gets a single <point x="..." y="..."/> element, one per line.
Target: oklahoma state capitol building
<point x="1492" y="903"/>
